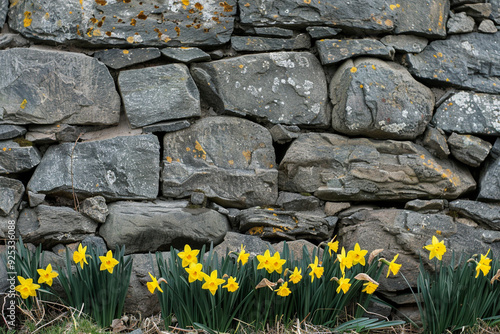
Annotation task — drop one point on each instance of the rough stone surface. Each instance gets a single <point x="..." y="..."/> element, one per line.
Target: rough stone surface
<point x="332" y="208"/>
<point x="434" y="141"/>
<point x="53" y="225"/>
<point x="336" y="168"/>
<point x="379" y="99"/>
<point x="296" y="248"/>
<point x="270" y="31"/>
<point x="284" y="133"/>
<point x="95" y="208"/>
<point x="198" y="198"/>
<point x="15" y="158"/>
<point x="487" y="26"/>
<point x="144" y="23"/>
<point x="47" y="87"/>
<point x="185" y="55"/>
<point x="117" y="168"/>
<point x="282" y="87"/>
<point x="495" y="10"/>
<point x="262" y="44"/>
<point x="11" y="192"/>
<point x="46" y="134"/>
<point x="120" y="58"/>
<point x="488" y="214"/>
<point x="476" y="10"/>
<point x="159" y="93"/>
<point x="35" y="199"/>
<point x="11" y="131"/>
<point x="466" y="60"/>
<point x="469" y="113"/>
<point x="233" y="241"/>
<point x="8" y="223"/>
<point x="166" y="126"/>
<point x="429" y="206"/>
<point x="8" y="40"/>
<point x="322" y="32"/>
<point x="405" y="43"/>
<point x="332" y="51"/>
<point x="144" y="227"/>
<point x="97" y="243"/>
<point x="231" y="160"/>
<point x="469" y="149"/>
<point x="495" y="150"/>
<point x="297" y="202"/>
<point x="284" y="225"/>
<point x="460" y="23"/>
<point x="489" y="181"/>
<point x="422" y="17"/>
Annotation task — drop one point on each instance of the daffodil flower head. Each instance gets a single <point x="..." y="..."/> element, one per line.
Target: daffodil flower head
<point x="264" y="260"/>
<point x="437" y="248"/>
<point x="316" y="269"/>
<point x="26" y="287"/>
<point x="188" y="256"/>
<point x="369" y="288"/>
<point x="153" y="285"/>
<point x="243" y="257"/>
<point x="47" y="275"/>
<point x="345" y="261"/>
<point x="393" y="267"/>
<point x="483" y="265"/>
<point x="108" y="262"/>
<point x="344" y="284"/>
<point x="283" y="290"/>
<point x="79" y="256"/>
<point x="276" y="263"/>
<point x="212" y="282"/>
<point x="231" y="285"/>
<point x="358" y="255"/>
<point x="296" y="276"/>
<point x="195" y="272"/>
<point x="333" y="246"/>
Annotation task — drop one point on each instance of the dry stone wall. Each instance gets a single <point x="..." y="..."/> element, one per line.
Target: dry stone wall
<point x="158" y="123"/>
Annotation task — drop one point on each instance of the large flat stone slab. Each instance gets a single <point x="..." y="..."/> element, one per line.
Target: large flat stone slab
<point x="118" y="168"/>
<point x="332" y="51"/>
<point x="422" y="17"/>
<point x="281" y="87"/>
<point x="337" y="168"/>
<point x="125" y="23"/>
<point x="486" y="213"/>
<point x="47" y="87"/>
<point x="118" y="58"/>
<point x="230" y="160"/>
<point x="15" y="158"/>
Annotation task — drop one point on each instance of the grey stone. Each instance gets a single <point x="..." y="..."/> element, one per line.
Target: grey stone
<point x="198" y="198"/>
<point x="284" y="133"/>
<point x="428" y="206"/>
<point x="95" y="208"/>
<point x="273" y="32"/>
<point x="332" y="51"/>
<point x="434" y="140"/>
<point x="53" y="225"/>
<point x="185" y="54"/>
<point x="144" y="23"/>
<point x="469" y="113"/>
<point x="455" y="3"/>
<point x="11" y="193"/>
<point x="477" y="10"/>
<point x="379" y="99"/>
<point x="487" y="26"/>
<point x="15" y="158"/>
<point x="281" y="87"/>
<point x="489" y="181"/>
<point x="216" y="54"/>
<point x="8" y="40"/>
<point x="4" y="8"/>
<point x="35" y="199"/>
<point x="120" y="58"/>
<point x="117" y="168"/>
<point x="495" y="150"/>
<point x="422" y="17"/>
<point x="166" y="126"/>
<point x="262" y="44"/>
<point x="284" y="225"/>
<point x="405" y="43"/>
<point x="373" y="16"/>
<point x="337" y="168"/>
<point x="229" y="159"/>
<point x="322" y="32"/>
<point x="296" y="248"/>
<point x="460" y="23"/>
<point x="11" y="131"/>
<point x="485" y="213"/>
<point x="97" y="243"/>
<point x="219" y="209"/>
<point x="297" y="202"/>
<point x="150" y="227"/>
<point x="469" y="149"/>
<point x="233" y="241"/>
<point x="159" y="93"/>
<point x="47" y="87"/>
<point x="332" y="208"/>
<point x="495" y="10"/>
<point x="48" y="134"/>
<point x="467" y="60"/>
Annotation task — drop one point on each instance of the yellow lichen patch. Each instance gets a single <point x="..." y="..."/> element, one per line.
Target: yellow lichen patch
<point x="198" y="6"/>
<point x="276" y="229"/>
<point x="271" y="166"/>
<point x="247" y="154"/>
<point x="373" y="66"/>
<point x="97" y="185"/>
<point x="307" y="1"/>
<point x="130" y="39"/>
<point x="46" y="16"/>
<point x="440" y="54"/>
<point x="141" y="15"/>
<point x="270" y="209"/>
<point x="447" y="79"/>
<point x="388" y="22"/>
<point x="438" y="232"/>
<point x="241" y="66"/>
<point x="133" y="22"/>
<point x="4" y="149"/>
<point x="188" y="149"/>
<point x="392" y="7"/>
<point x="199" y="148"/>
<point x="96" y="32"/>
<point x="247" y="5"/>
<point x="397" y="5"/>
<point x="27" y="19"/>
<point x="227" y="7"/>
<point x="354" y="69"/>
<point x="169" y="159"/>
<point x="125" y="52"/>
<point x="231" y="162"/>
<point x="101" y="2"/>
<point x="185" y="2"/>
<point x="177" y="30"/>
<point x="256" y="230"/>
<point x="23" y="104"/>
<point x="445" y="173"/>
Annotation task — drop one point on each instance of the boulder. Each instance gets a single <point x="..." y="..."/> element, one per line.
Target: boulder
<point x="48" y="87"/>
<point x="460" y="23"/>
<point x="379" y="99"/>
<point x="150" y="227"/>
<point x="95" y="208"/>
<point x="15" y="158"/>
<point x="11" y="193"/>
<point x="405" y="43"/>
<point x="336" y="168"/>
<point x="11" y="131"/>
<point x="284" y="133"/>
<point x="282" y="87"/>
<point x="434" y="140"/>
<point x="488" y="214"/>
<point x="266" y="44"/>
<point x="422" y="17"/>
<point x="467" y="61"/>
<point x="476" y="10"/>
<point x="231" y="160"/>
<point x="120" y="58"/>
<point x="332" y="51"/>
<point x="185" y="54"/>
<point x="487" y="27"/>
<point x="469" y="149"/>
<point x="489" y="181"/>
<point x="158" y="93"/>
<point x="297" y="202"/>
<point x="117" y="168"/>
<point x="52" y="225"/>
<point x="125" y="23"/>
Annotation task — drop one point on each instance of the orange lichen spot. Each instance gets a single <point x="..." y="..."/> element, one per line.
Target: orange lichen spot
<point x="361" y="86"/>
<point x="46" y="16"/>
<point x="23" y="104"/>
<point x="435" y="76"/>
<point x="397" y="5"/>
<point x="198" y="6"/>
<point x="256" y="230"/>
<point x="227" y="7"/>
<point x="185" y="2"/>
<point x="96" y="32"/>
<point x="58" y="125"/>
<point x="70" y="12"/>
<point x="373" y="66"/>
<point x="450" y="104"/>
<point x="93" y="20"/>
<point x="101" y="2"/>
<point x="188" y="149"/>
<point x="78" y="32"/>
<point x="388" y="22"/>
<point x="438" y="232"/>
<point x="246" y="5"/>
<point x="126" y="1"/>
<point x="130" y="39"/>
<point x="125" y="52"/>
<point x="108" y="33"/>
<point x="231" y="162"/>
<point x="169" y="159"/>
<point x="185" y="48"/>
<point x="440" y="54"/>
<point x="141" y="15"/>
<point x="241" y="66"/>
<point x="447" y="79"/>
<point x="248" y="155"/>
<point x="434" y="56"/>
<point x="97" y="185"/>
<point x="307" y="1"/>
<point x="133" y="22"/>
<point x="275" y="215"/>
<point x="271" y="166"/>
<point x="276" y="229"/>
<point x="177" y="30"/>
<point x="354" y="69"/>
<point x="81" y="2"/>
<point x="27" y="19"/>
<point x="4" y="149"/>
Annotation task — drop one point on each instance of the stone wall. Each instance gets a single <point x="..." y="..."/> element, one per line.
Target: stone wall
<point x="158" y="123"/>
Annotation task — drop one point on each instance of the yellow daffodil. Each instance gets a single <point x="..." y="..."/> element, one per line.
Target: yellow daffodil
<point x="47" y="275"/>
<point x="344" y="284"/>
<point x="369" y="288"/>
<point x="344" y="261"/>
<point x="79" y="256"/>
<point x="437" y="248"/>
<point x="316" y="269"/>
<point x="188" y="256"/>
<point x="333" y="246"/>
<point x="26" y="287"/>
<point x="195" y="272"/>
<point x="296" y="276"/>
<point x="108" y="262"/>
<point x="153" y="284"/>
<point x="212" y="282"/>
<point x="283" y="290"/>
<point x="393" y="267"/>
<point x="231" y="285"/>
<point x="264" y="260"/>
<point x="276" y="263"/>
<point x="358" y="255"/>
<point x="243" y="257"/>
<point x="483" y="265"/>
